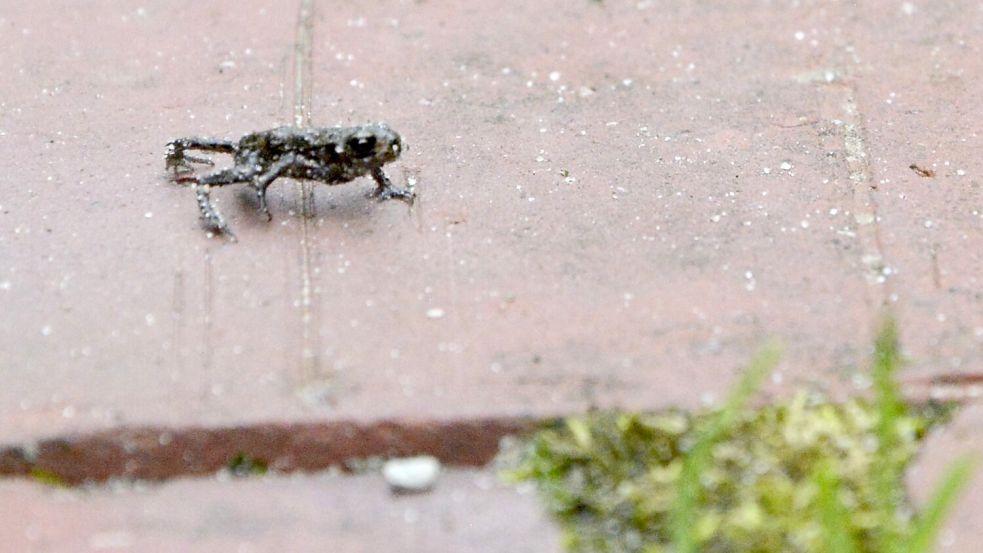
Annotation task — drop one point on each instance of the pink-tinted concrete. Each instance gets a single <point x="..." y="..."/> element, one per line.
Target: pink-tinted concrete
<point x="595" y="223"/>
<point x="962" y="438"/>
<point x="468" y="511"/>
<point x="618" y="203"/>
<point x="919" y="88"/>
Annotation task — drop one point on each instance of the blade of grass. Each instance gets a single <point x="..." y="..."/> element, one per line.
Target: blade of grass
<point x="890" y="409"/>
<point x="681" y="519"/>
<point x="931" y="519"/>
<point x="833" y="516"/>
<point x="887" y="359"/>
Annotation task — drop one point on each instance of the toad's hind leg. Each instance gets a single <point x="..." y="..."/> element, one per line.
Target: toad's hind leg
<point x="202" y="187"/>
<point x="177" y="159"/>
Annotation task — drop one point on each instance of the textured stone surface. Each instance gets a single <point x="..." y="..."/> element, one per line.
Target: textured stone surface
<point x="616" y="209"/>
<point x="619" y="201"/>
<point x="962" y="438"/>
<point x="467" y="511"/>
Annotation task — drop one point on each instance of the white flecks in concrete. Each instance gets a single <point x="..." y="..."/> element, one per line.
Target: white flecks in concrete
<point x="435" y="313"/>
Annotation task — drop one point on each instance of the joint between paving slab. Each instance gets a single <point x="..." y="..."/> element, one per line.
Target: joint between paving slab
<point x="160" y="453"/>
<point x="150" y="453"/>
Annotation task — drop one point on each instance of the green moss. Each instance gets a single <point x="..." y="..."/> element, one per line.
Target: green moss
<point x="804" y="475"/>
<point x="47" y="477"/>
<point x="245" y="465"/>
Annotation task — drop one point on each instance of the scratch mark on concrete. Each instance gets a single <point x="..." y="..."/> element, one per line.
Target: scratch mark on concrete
<point x="209" y="299"/>
<point x="936" y="272"/>
<point x="865" y="209"/>
<point x="177" y="319"/>
<point x="302" y="104"/>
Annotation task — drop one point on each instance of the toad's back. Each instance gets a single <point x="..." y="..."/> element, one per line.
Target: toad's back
<point x="276" y="142"/>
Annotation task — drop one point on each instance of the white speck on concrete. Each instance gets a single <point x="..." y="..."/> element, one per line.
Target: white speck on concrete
<point x="435" y="313"/>
<point x="863" y="218"/>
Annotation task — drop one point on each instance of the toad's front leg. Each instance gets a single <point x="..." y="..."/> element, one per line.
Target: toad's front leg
<point x="263" y="180"/>
<point x="385" y="190"/>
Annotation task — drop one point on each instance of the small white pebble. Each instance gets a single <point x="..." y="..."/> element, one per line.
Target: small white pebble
<point x="799" y="35"/>
<point x="786" y="166"/>
<point x="555" y="76"/>
<point x="148" y="214"/>
<point x="411" y="474"/>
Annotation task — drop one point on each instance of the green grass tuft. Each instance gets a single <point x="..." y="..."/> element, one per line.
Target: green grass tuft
<point x="804" y="475"/>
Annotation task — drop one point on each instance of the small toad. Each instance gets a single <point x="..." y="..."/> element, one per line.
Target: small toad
<point x="333" y="155"/>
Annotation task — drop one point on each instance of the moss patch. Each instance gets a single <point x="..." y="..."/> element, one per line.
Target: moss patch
<point x="805" y="475"/>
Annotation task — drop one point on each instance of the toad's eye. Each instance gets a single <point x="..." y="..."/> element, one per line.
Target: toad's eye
<point x="362" y="147"/>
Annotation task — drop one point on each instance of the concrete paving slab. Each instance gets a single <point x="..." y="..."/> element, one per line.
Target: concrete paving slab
<point x="962" y="438"/>
<point x="918" y="91"/>
<point x="618" y="203"/>
<point x="468" y="511"/>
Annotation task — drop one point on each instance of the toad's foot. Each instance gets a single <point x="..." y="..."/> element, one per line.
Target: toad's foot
<point x="181" y="163"/>
<point x="209" y="213"/>
<point x="386" y="191"/>
<point x="264" y="208"/>
<point x="393" y="194"/>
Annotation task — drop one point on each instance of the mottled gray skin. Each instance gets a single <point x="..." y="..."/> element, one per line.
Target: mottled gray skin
<point x="330" y="155"/>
